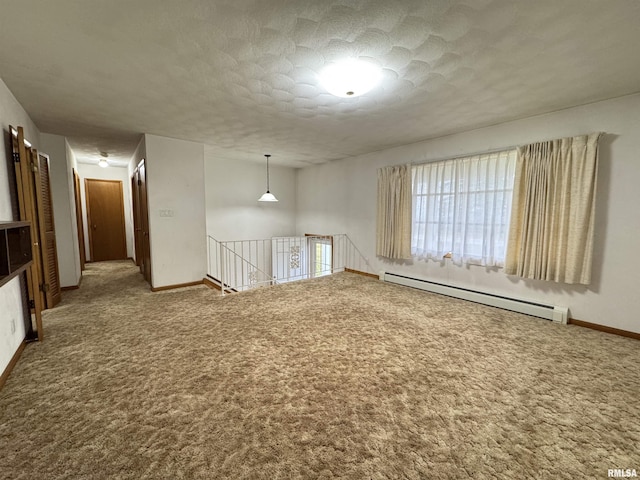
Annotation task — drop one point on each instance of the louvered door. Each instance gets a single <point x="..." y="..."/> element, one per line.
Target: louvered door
<point x="27" y="209"/>
<point x="51" y="285"/>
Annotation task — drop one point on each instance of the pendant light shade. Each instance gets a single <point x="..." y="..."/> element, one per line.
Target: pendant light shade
<point x="268" y="196"/>
<point x="103" y="160"/>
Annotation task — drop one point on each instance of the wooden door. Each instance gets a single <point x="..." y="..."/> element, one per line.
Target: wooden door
<point x="105" y="219"/>
<point x="144" y="217"/>
<point x="21" y="155"/>
<point x="79" y="219"/>
<point x="137" y="227"/>
<point x="46" y="228"/>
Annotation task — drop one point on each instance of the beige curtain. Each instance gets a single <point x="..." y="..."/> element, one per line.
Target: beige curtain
<point x="552" y="220"/>
<point x="393" y="237"/>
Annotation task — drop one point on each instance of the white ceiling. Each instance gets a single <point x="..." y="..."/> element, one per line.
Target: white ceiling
<point x="241" y="75"/>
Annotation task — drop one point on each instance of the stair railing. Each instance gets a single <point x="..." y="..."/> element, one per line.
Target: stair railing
<point x="240" y="265"/>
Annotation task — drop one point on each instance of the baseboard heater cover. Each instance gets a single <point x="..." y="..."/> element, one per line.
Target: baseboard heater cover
<point x="550" y="312"/>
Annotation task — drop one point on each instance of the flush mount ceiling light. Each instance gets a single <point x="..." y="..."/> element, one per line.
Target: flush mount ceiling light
<point x="268" y="196"/>
<point x="350" y="78"/>
<point x="103" y="160"/>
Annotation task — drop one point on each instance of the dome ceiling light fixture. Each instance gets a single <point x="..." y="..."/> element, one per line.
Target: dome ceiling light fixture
<point x="350" y="78"/>
<point x="103" y="160"/>
<point x="268" y="196"/>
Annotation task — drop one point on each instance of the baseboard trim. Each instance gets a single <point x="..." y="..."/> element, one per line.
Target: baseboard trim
<point x="359" y="272"/>
<point x="604" y="328"/>
<point x="178" y="285"/>
<point x="14" y="360"/>
<point x="210" y="284"/>
<point x="73" y="287"/>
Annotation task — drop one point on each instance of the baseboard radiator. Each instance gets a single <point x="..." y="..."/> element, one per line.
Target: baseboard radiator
<point x="550" y="312"/>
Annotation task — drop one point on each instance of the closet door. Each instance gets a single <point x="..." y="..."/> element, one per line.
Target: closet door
<point x="144" y="222"/>
<point x="44" y="203"/>
<point x="137" y="227"/>
<point x="28" y="212"/>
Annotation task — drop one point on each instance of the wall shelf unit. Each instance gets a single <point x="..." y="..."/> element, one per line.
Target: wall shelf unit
<point x="15" y="249"/>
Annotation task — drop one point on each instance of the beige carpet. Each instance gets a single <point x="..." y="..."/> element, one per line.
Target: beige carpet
<point x="338" y="377"/>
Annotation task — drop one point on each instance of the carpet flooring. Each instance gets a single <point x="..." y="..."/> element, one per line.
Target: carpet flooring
<point x="336" y="377"/>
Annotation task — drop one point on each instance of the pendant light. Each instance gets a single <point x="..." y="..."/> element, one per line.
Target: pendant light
<point x="268" y="196"/>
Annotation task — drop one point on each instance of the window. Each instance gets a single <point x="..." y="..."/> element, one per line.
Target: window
<point x="463" y="206"/>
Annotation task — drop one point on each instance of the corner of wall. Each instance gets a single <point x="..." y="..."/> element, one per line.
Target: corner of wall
<point x="61" y="178"/>
<point x="176" y="204"/>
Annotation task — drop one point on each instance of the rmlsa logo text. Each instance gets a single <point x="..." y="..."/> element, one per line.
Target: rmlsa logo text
<point x="622" y="472"/>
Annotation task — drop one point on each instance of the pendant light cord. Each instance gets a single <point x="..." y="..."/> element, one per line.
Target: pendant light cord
<point x="268" y="172"/>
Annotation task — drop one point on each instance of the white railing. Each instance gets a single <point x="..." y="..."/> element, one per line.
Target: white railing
<point x="240" y="265"/>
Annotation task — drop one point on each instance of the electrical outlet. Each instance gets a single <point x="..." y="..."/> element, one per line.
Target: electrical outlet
<point x="166" y="213"/>
<point x="13" y="326"/>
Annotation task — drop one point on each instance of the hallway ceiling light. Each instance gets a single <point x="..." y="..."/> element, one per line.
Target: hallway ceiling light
<point x="268" y="196"/>
<point x="350" y="78"/>
<point x="103" y="161"/>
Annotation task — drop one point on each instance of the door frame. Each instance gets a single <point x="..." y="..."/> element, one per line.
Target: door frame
<point x="137" y="220"/>
<point x="79" y="219"/>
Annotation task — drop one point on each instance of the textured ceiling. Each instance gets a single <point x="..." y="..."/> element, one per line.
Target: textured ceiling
<point x="241" y="75"/>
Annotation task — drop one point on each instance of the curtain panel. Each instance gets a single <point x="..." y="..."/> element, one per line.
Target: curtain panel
<point x="393" y="232"/>
<point x="552" y="222"/>
<point x="461" y="206"/>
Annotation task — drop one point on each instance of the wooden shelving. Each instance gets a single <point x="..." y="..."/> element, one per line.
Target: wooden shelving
<point x="15" y="249"/>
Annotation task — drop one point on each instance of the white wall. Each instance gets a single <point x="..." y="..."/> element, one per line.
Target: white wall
<point x="341" y="197"/>
<point x="11" y="113"/>
<point x="175" y="190"/>
<point x="64" y="208"/>
<point x="110" y="173"/>
<point x="232" y="189"/>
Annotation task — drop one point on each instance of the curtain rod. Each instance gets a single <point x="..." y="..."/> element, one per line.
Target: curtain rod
<point x="497" y="150"/>
<point x="464" y="155"/>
